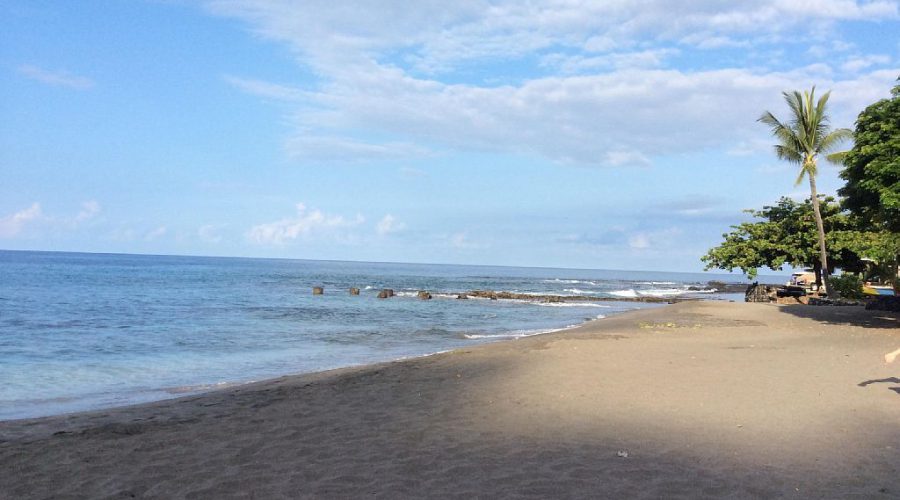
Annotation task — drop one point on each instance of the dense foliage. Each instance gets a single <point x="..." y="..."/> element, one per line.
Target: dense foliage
<point x="848" y="286"/>
<point x="872" y="166"/>
<point x="872" y="192"/>
<point x="786" y="235"/>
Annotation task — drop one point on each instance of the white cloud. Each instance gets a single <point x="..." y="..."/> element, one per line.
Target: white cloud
<point x="389" y="224"/>
<point x="859" y="63"/>
<point x="12" y="224"/>
<point x="55" y="78"/>
<point x="608" y="119"/>
<point x="604" y="99"/>
<point x="575" y="64"/>
<point x="305" y="223"/>
<point x="436" y="35"/>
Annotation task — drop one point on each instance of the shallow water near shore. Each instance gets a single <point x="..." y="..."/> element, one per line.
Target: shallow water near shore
<point x="86" y="331"/>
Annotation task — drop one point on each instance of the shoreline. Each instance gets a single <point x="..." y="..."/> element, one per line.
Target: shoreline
<point x="150" y="396"/>
<point x="704" y="398"/>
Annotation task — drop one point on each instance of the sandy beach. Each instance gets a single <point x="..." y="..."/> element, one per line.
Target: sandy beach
<point x="692" y="400"/>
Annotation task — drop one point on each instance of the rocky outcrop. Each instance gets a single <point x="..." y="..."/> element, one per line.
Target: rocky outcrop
<point x="462" y="296"/>
<point x="386" y="293"/>
<point x="423" y="295"/>
<point x="354" y="291"/>
<point x="760" y="293"/>
<point x="318" y="290"/>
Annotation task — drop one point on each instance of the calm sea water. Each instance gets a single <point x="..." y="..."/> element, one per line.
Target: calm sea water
<point x="85" y="331"/>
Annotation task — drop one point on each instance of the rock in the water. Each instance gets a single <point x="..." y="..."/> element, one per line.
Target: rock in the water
<point x="462" y="296"/>
<point x="424" y="295"/>
<point x="318" y="290"/>
<point x="386" y="293"/>
<point x="554" y="299"/>
<point x="354" y="291"/>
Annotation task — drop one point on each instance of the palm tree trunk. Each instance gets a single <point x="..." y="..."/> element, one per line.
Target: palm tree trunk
<point x="823" y="256"/>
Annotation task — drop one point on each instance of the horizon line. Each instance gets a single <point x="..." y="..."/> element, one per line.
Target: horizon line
<point x="720" y="272"/>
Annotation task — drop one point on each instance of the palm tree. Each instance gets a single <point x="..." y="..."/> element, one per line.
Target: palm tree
<point x="801" y="140"/>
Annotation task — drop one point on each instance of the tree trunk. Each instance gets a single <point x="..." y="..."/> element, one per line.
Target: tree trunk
<point x="823" y="257"/>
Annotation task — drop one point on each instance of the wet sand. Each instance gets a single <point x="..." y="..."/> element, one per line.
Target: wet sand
<point x="697" y="399"/>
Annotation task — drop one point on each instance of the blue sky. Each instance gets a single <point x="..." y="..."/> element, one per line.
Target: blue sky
<point x="617" y="134"/>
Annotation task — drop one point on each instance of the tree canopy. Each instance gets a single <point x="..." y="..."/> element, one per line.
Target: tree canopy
<point x="872" y="166"/>
<point x="806" y="135"/>
<point x="872" y="192"/>
<point x="785" y="235"/>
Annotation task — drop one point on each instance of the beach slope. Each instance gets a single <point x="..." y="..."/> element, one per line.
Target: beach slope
<point x="697" y="399"/>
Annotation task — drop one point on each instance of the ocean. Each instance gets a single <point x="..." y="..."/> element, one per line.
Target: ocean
<point x="87" y="331"/>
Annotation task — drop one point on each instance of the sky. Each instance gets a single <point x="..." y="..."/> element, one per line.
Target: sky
<point x="586" y="134"/>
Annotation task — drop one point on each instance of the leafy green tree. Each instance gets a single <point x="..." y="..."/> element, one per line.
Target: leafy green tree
<point x="801" y="140"/>
<point x="872" y="166"/>
<point x="786" y="234"/>
<point x="872" y="192"/>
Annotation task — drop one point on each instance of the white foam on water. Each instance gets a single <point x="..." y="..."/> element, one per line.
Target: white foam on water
<point x="654" y="282"/>
<point x="572" y="282"/>
<point x="630" y="293"/>
<point x="661" y="292"/>
<point x="516" y="334"/>
<point x="577" y="291"/>
<point x="670" y="292"/>
<point x="187" y="389"/>
<point x="569" y="304"/>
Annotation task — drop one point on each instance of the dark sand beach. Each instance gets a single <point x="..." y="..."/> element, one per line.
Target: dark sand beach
<point x="693" y="400"/>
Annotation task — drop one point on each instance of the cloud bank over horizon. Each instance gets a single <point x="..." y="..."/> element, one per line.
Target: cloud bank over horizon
<point x="577" y="82"/>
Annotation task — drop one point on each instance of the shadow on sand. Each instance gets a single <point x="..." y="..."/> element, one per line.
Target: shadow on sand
<point x="889" y="380"/>
<point x="845" y="315"/>
<point x="428" y="427"/>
